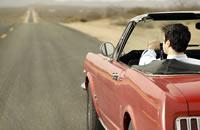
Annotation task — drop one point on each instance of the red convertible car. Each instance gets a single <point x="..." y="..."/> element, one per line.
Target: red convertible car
<point x="164" y="95"/>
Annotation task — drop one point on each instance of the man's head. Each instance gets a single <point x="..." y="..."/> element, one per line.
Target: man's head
<point x="176" y="36"/>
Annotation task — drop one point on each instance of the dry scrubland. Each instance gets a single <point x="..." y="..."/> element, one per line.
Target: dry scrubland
<point x="12" y="15"/>
<point x="70" y="14"/>
<point x="103" y="23"/>
<point x="119" y="16"/>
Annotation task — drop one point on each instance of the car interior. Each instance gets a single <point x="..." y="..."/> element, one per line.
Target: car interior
<point x="148" y="31"/>
<point x="133" y="57"/>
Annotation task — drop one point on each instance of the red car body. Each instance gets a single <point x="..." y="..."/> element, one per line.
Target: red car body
<point x="149" y="102"/>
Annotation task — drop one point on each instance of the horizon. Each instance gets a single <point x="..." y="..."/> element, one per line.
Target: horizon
<point x="102" y="3"/>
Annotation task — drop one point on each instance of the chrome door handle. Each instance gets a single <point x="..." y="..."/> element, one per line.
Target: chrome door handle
<point x="115" y="76"/>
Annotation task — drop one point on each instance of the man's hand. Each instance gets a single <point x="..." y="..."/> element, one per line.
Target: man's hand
<point x="154" y="45"/>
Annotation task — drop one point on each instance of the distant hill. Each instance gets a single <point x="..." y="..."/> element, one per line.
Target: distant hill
<point x="118" y="4"/>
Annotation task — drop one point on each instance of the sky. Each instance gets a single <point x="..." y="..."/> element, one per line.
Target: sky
<point x="124" y="2"/>
<point x="27" y="2"/>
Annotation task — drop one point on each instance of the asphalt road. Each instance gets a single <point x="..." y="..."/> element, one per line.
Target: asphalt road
<point x="30" y="20"/>
<point x="4" y="28"/>
<point x="40" y="77"/>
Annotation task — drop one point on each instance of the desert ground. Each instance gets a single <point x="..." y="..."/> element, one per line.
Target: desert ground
<point x="103" y="30"/>
<point x="106" y="31"/>
<point x="12" y="14"/>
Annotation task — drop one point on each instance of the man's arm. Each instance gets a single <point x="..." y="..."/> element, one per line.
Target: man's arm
<point x="149" y="54"/>
<point x="147" y="57"/>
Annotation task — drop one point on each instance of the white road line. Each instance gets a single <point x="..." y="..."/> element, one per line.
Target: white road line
<point x="27" y="15"/>
<point x="34" y="15"/>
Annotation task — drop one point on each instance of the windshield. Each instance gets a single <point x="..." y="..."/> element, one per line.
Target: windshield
<point x="144" y="32"/>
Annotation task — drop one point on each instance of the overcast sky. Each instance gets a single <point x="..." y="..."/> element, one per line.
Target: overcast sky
<point x="141" y="2"/>
<point x="27" y="2"/>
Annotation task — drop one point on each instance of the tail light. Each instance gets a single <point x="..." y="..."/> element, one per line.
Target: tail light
<point x="188" y="123"/>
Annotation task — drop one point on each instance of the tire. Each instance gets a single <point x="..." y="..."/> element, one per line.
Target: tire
<point x="93" y="122"/>
<point x="130" y="127"/>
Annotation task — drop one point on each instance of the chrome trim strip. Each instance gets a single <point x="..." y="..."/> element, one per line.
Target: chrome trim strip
<point x="103" y="124"/>
<point x="139" y="18"/>
<point x="188" y="123"/>
<point x="198" y="123"/>
<point x="178" y="124"/>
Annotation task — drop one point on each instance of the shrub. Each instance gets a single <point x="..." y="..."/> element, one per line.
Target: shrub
<point x="92" y="16"/>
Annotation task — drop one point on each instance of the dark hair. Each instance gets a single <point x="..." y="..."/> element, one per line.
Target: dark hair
<point x="179" y="36"/>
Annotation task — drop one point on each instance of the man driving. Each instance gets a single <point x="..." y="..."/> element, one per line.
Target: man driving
<point x="176" y="40"/>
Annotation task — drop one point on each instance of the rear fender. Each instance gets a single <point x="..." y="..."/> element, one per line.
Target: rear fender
<point x="90" y="81"/>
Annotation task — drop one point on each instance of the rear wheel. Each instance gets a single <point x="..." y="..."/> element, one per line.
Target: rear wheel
<point x="130" y="127"/>
<point x="93" y="122"/>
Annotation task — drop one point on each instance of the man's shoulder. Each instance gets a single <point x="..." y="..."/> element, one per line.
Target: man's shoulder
<point x="193" y="61"/>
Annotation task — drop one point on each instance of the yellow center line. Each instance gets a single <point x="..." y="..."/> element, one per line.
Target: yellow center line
<point x="4" y="36"/>
<point x="11" y="29"/>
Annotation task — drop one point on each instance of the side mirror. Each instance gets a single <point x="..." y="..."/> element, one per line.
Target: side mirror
<point x="107" y="49"/>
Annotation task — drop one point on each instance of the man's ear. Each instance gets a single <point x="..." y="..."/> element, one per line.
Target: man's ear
<point x="168" y="43"/>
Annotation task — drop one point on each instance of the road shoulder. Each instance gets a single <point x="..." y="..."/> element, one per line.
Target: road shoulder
<point x="102" y="30"/>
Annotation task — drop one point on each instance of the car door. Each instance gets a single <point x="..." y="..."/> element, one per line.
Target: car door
<point x="107" y="85"/>
<point x="106" y="92"/>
